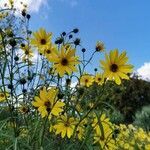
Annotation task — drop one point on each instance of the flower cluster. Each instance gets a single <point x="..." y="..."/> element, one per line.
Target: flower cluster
<point x="130" y="137"/>
<point x="43" y="84"/>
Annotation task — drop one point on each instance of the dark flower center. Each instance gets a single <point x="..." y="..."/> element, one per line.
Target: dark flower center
<point x="67" y="124"/>
<point x="27" y="52"/>
<point x="43" y="41"/>
<point x="99" y="79"/>
<point x="47" y="104"/>
<point x="78" y="131"/>
<point x="114" y="68"/>
<point x="99" y="48"/>
<point x="48" y="51"/>
<point x="48" y="109"/>
<point x="25" y="110"/>
<point x="1" y="95"/>
<point x="64" y="62"/>
<point x="102" y="138"/>
<point x="86" y="80"/>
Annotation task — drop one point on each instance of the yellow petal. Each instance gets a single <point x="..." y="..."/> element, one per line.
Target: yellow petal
<point x="117" y="79"/>
<point x="63" y="133"/>
<point x="69" y="132"/>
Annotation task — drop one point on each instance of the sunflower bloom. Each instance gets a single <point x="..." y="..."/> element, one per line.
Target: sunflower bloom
<point x="24" y="109"/>
<point x="100" y="46"/>
<point x="106" y="142"/>
<point x="103" y="120"/>
<point x="48" y="51"/>
<point x="103" y="132"/>
<point x="41" y="39"/>
<point x="86" y="80"/>
<point x="28" y="53"/>
<point x="3" y="15"/>
<point x="115" y="67"/>
<point x="80" y="131"/>
<point x="99" y="79"/>
<point x="65" y="125"/>
<point x="3" y="96"/>
<point x="65" y="61"/>
<point x="48" y="103"/>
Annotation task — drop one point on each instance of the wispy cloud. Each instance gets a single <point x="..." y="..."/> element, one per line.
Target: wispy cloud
<point x="33" y="5"/>
<point x="144" y="71"/>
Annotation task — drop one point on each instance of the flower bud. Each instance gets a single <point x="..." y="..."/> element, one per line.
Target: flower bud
<point x="77" y="41"/>
<point x="83" y="50"/>
<point x="75" y="30"/>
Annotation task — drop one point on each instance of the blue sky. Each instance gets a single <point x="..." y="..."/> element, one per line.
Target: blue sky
<point x="122" y="24"/>
<point x="119" y="24"/>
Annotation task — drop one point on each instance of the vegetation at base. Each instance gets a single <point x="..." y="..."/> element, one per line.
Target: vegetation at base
<point x="142" y="118"/>
<point x="126" y="99"/>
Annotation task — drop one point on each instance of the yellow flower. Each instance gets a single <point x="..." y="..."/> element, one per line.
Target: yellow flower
<point x="24" y="133"/>
<point x="27" y="52"/>
<point x="105" y="143"/>
<point x="24" y="109"/>
<point x="86" y="80"/>
<point x="102" y="121"/>
<point x="99" y="79"/>
<point x="65" y="61"/>
<point x="115" y="67"/>
<point x="49" y="50"/>
<point x="100" y="46"/>
<point x="48" y="103"/>
<point x="103" y="132"/>
<point x="3" y="96"/>
<point x="3" y="15"/>
<point x="41" y="39"/>
<point x="78" y="108"/>
<point x="8" y="31"/>
<point x="91" y="105"/>
<point x="11" y="2"/>
<point x="65" y="125"/>
<point x="130" y="137"/>
<point x="140" y="135"/>
<point x="147" y="147"/>
<point x="126" y="146"/>
<point x="80" y="131"/>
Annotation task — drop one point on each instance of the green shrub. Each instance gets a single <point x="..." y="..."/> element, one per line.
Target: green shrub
<point x="116" y="117"/>
<point x="142" y="118"/>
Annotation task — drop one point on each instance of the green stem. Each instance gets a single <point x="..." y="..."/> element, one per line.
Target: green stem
<point x="15" y="144"/>
<point x="43" y="132"/>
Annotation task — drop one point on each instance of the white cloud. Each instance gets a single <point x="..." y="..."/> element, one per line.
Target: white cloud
<point x="73" y="84"/>
<point x="33" y="5"/>
<point x="36" y="4"/>
<point x="144" y="71"/>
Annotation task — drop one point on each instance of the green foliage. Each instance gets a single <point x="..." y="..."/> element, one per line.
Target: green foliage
<point x="142" y="118"/>
<point x="131" y="96"/>
<point x="116" y="117"/>
<point x="127" y="98"/>
<point x="4" y="113"/>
